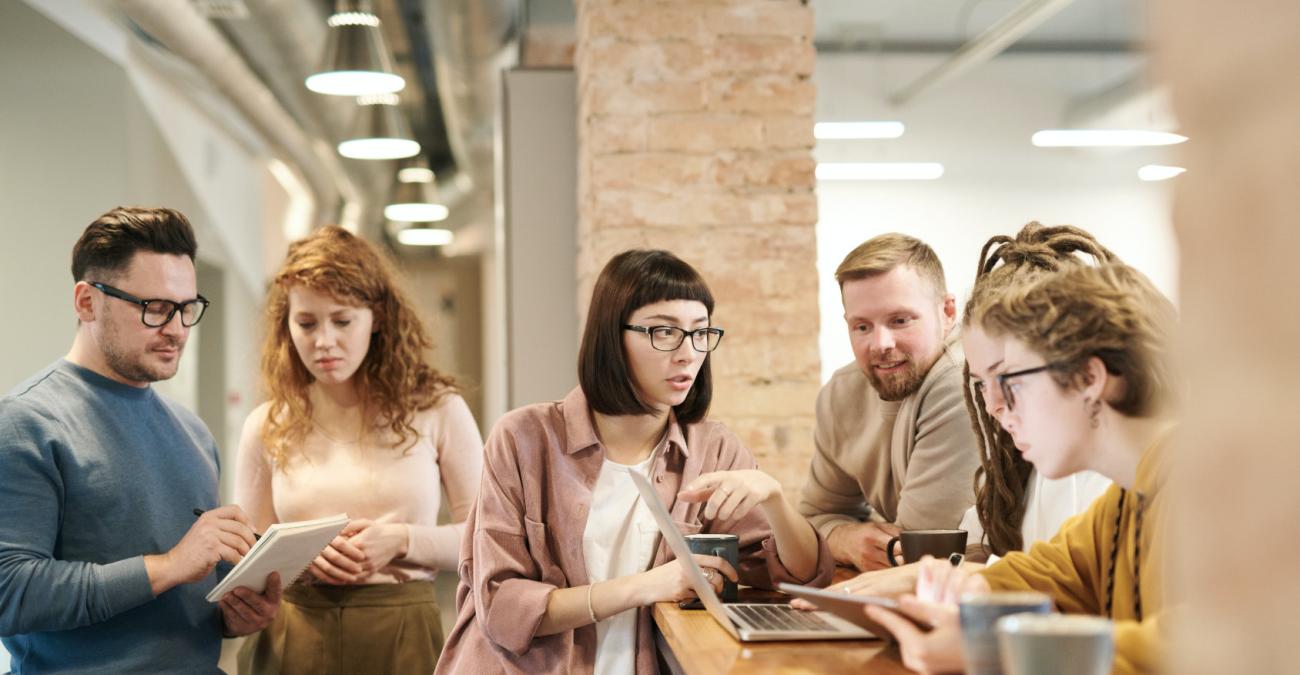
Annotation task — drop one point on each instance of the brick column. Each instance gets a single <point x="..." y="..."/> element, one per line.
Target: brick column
<point x="695" y="135"/>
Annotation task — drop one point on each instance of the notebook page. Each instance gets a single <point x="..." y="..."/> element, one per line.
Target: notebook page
<point x="287" y="548"/>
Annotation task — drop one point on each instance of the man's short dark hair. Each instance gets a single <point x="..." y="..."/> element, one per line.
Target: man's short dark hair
<point x="631" y="280"/>
<point x="107" y="245"/>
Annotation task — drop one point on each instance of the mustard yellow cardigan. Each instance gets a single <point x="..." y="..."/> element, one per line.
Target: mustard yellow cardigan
<point x="1074" y="567"/>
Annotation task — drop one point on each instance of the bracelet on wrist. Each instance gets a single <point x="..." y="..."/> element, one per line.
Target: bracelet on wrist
<point x="591" y="612"/>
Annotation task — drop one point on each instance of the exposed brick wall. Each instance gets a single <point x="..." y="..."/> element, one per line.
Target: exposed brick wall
<point x="695" y="135"/>
<point x="548" y="45"/>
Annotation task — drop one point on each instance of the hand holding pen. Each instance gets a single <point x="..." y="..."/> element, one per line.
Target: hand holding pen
<point x="223" y="533"/>
<point x="198" y="513"/>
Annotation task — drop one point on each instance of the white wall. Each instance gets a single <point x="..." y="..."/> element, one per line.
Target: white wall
<point x="540" y="156"/>
<point x="86" y="126"/>
<point x="979" y="127"/>
<point x="59" y="168"/>
<point x="448" y="294"/>
<point x="102" y="123"/>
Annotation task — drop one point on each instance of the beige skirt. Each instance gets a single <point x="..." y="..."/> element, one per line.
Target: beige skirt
<point x="338" y="630"/>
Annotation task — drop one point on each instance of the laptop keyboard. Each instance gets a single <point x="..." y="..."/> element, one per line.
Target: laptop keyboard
<point x="778" y="618"/>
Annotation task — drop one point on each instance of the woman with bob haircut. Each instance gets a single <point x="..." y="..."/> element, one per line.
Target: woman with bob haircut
<point x="561" y="560"/>
<point x="1084" y="383"/>
<point x="356" y="421"/>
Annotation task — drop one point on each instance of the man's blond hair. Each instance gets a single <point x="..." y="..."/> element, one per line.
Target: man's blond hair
<point x="881" y="254"/>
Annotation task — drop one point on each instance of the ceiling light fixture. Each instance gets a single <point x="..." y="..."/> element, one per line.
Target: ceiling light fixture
<point x="415" y="174"/>
<point x="879" y="171"/>
<point x="356" y="60"/>
<point x="415" y="199"/>
<point x="1152" y="172"/>
<point x="1103" y="138"/>
<point x="416" y="212"/>
<point x="857" y="130"/>
<point x="379" y="131"/>
<point x="425" y="236"/>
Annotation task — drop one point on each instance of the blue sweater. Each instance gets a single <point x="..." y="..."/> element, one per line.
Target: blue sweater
<point x="94" y="475"/>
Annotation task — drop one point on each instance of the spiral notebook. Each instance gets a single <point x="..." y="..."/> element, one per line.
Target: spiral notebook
<point x="287" y="548"/>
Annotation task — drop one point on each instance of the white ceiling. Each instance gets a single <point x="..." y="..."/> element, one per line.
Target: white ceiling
<point x="932" y="24"/>
<point x="955" y="21"/>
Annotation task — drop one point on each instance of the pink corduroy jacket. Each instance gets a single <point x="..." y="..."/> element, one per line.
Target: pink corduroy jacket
<point x="523" y="538"/>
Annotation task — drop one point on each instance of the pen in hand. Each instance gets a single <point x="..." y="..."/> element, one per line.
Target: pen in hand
<point x="199" y="513"/>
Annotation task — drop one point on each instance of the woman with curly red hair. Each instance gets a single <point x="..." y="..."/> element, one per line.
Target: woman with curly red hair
<point x="355" y="421"/>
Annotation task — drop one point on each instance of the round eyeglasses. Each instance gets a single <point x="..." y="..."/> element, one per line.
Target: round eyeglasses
<point x="1008" y="389"/>
<point x="669" y="338"/>
<point x="158" y="313"/>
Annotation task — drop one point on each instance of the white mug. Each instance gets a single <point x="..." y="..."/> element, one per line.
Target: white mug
<point x="1056" y="644"/>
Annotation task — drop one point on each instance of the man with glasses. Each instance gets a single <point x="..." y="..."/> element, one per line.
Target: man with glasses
<point x="103" y="563"/>
<point x="894" y="446"/>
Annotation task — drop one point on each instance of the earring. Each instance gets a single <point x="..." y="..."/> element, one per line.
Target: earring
<point x="1094" y="412"/>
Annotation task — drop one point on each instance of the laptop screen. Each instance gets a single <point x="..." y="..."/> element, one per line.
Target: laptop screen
<point x="683" y="552"/>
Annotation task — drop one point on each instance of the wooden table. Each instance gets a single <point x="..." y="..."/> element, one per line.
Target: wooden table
<point x="692" y="643"/>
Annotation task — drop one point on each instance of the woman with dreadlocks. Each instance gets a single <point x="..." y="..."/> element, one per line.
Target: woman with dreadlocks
<point x="1083" y="383"/>
<point x="1014" y="504"/>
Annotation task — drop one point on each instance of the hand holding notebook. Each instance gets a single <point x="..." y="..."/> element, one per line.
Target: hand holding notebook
<point x="287" y="548"/>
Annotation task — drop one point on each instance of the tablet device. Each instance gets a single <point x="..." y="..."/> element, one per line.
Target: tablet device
<point x="848" y="606"/>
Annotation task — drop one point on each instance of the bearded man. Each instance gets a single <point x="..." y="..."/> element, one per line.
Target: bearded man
<point x="894" y="445"/>
<point x="104" y="566"/>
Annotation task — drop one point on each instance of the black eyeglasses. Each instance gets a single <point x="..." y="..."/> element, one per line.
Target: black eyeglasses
<point x="158" y="313"/>
<point x="1008" y="391"/>
<point x="669" y="338"/>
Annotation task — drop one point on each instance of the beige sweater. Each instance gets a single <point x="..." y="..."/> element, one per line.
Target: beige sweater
<point x="910" y="462"/>
<point x="378" y="483"/>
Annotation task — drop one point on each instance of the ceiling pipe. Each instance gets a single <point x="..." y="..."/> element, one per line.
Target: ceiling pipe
<point x="470" y="48"/>
<point x="1023" y="19"/>
<point x="1072" y="47"/>
<point x="284" y="42"/>
<point x="179" y="27"/>
<point x="473" y="43"/>
<point x="412" y="46"/>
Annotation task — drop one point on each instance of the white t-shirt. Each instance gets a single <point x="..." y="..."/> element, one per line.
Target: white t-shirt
<point x="1050" y="503"/>
<point x="619" y="540"/>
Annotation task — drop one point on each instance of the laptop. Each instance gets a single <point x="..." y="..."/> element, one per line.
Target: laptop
<point x="747" y="622"/>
